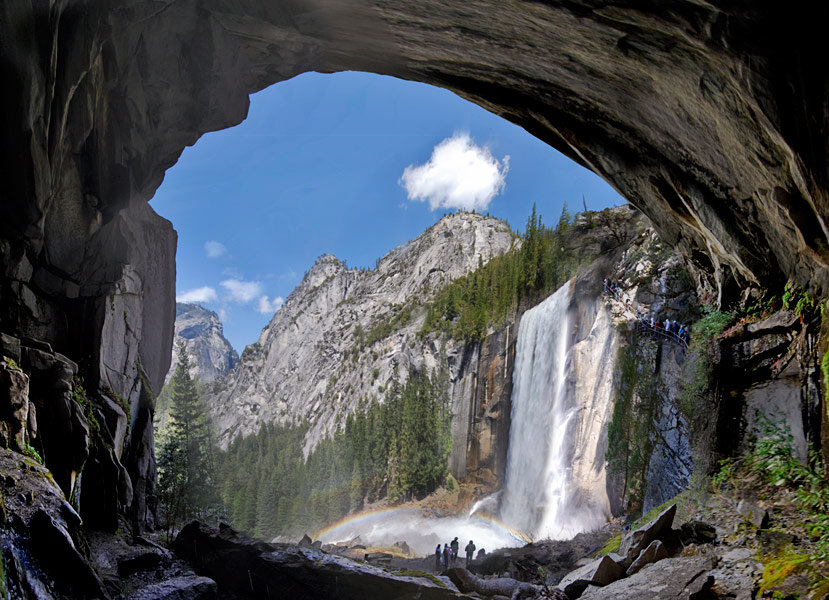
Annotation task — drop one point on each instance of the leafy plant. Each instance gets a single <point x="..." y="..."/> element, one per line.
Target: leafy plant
<point x="31" y="452"/>
<point x="724" y="475"/>
<point x="11" y="362"/>
<point x="773" y="457"/>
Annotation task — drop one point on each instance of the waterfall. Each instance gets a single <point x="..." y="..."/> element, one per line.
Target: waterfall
<point x="554" y="484"/>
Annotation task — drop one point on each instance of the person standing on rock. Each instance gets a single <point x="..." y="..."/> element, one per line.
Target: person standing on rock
<point x="455" y="545"/>
<point x="470" y="552"/>
<point x="446" y="554"/>
<point x="437" y="558"/>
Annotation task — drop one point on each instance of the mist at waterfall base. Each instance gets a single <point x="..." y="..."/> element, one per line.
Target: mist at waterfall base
<point x="421" y="531"/>
<point x="542" y="496"/>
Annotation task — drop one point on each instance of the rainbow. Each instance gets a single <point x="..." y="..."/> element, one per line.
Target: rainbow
<point x="365" y="519"/>
<point x="518" y="535"/>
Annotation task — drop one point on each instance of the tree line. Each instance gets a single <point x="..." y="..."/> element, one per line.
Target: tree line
<point x="467" y="307"/>
<point x="262" y="484"/>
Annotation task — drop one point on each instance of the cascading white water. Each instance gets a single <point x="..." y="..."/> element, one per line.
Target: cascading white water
<point x="541" y="496"/>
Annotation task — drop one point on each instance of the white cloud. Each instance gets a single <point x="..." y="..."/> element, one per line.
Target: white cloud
<point x="214" y="249"/>
<point x="242" y="291"/>
<point x="268" y="307"/>
<point x="202" y="294"/>
<point x="459" y="174"/>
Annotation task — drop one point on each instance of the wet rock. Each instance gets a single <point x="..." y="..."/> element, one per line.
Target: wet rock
<point x="675" y="578"/>
<point x="403" y="547"/>
<point x="190" y="587"/>
<point x="635" y="541"/>
<point x="145" y="561"/>
<point x="468" y="583"/>
<point x="14" y="407"/>
<point x="305" y="542"/>
<point x="53" y="544"/>
<point x="556" y="557"/>
<point x="317" y="544"/>
<point x="654" y="552"/>
<point x="757" y="516"/>
<point x="62" y="425"/>
<point x="378" y="557"/>
<point x="601" y="571"/>
<point x="241" y="565"/>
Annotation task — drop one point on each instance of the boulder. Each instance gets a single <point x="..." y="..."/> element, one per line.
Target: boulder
<point x="252" y="569"/>
<point x="655" y="551"/>
<point x="14" y="407"/>
<point x="670" y="579"/>
<point x="601" y="571"/>
<point x="188" y="587"/>
<point x="305" y="542"/>
<point x="55" y="547"/>
<point x="143" y="561"/>
<point x="697" y="532"/>
<point x="468" y="583"/>
<point x="736" y="574"/>
<point x="757" y="516"/>
<point x="635" y="541"/>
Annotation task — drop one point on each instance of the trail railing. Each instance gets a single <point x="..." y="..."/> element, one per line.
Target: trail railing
<point x="643" y="323"/>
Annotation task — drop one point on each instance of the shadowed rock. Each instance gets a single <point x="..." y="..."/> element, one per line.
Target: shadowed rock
<point x="252" y="569"/>
<point x="601" y="571"/>
<point x="678" y="578"/>
<point x="655" y="551"/>
<point x="635" y="541"/>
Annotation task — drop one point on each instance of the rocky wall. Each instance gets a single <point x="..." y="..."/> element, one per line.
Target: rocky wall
<point x="712" y="118"/>
<point x="480" y="399"/>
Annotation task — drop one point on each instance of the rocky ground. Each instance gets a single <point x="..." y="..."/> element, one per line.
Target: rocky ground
<point x="743" y="541"/>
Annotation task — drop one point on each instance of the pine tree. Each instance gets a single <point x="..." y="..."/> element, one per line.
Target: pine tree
<point x="185" y="456"/>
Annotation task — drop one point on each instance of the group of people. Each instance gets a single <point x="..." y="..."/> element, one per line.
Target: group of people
<point x="676" y="330"/>
<point x="673" y="330"/>
<point x="450" y="553"/>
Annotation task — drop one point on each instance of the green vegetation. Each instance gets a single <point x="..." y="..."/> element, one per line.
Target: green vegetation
<point x="772" y="471"/>
<point x="185" y="457"/>
<point x="31" y="452"/>
<point x="695" y="390"/>
<point x="399" y="318"/>
<point x="631" y="434"/>
<point x="773" y="456"/>
<point x="397" y="450"/>
<point x="96" y="438"/>
<point x="11" y="362"/>
<point x="468" y="306"/>
<point x="422" y="574"/>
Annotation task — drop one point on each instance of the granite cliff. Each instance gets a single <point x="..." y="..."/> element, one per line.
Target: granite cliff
<point x="344" y="335"/>
<point x="199" y="334"/>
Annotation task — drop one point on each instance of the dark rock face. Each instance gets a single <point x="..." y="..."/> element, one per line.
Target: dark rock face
<point x="245" y="568"/>
<point x="709" y="117"/>
<point x="43" y="549"/>
<point x="14" y="407"/>
<point x="481" y="400"/>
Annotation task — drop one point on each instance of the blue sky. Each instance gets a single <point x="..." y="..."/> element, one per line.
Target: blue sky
<point x="351" y="164"/>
